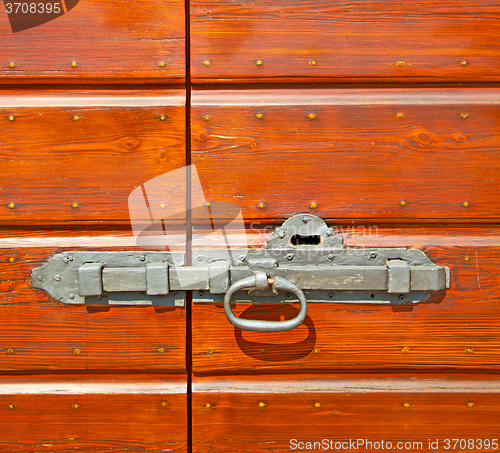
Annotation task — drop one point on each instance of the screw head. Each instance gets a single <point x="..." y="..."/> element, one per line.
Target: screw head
<point x="143" y="258"/>
<point x="40" y="278"/>
<point x="57" y="278"/>
<point x="242" y="258"/>
<point x="331" y="257"/>
<point x="259" y="62"/>
<point x="290" y="256"/>
<point x="305" y="219"/>
<point x="373" y="255"/>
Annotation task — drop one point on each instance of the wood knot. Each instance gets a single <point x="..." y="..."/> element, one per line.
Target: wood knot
<point x="129" y="143"/>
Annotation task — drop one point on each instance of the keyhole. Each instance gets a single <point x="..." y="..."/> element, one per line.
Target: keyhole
<point x="298" y="239"/>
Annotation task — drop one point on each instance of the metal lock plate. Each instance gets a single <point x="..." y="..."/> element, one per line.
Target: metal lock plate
<point x="304" y="251"/>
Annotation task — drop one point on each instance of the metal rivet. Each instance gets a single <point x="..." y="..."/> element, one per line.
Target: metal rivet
<point x="261" y="205"/>
<point x="11" y="260"/>
<point x="315" y="350"/>
<point x="208" y="204"/>
<point x="71" y="296"/>
<point x="142" y="257"/>
<point x="405" y="349"/>
<point x="465" y="204"/>
<point x="331" y="257"/>
<point x="163" y="206"/>
<point x="406" y="405"/>
<point x="466" y="258"/>
<point x="402" y="203"/>
<point x="313" y="205"/>
<point x="206" y="62"/>
<point x="40" y="278"/>
<point x="262" y="350"/>
<point x="470" y="404"/>
<point x="75" y="406"/>
<point x="317" y="405"/>
<point x="12" y="65"/>
<point x="10" y="351"/>
<point x="75" y="205"/>
<point x="206" y="117"/>
<point x="57" y="278"/>
<point x="312" y="62"/>
<point x="259" y="62"/>
<point x="162" y="64"/>
<point x="281" y="234"/>
<point x="329" y="232"/>
<point x="463" y="62"/>
<point x="76" y="351"/>
<point x="373" y="143"/>
<point x="469" y="350"/>
<point x="208" y="405"/>
<point x="76" y="118"/>
<point x="262" y="404"/>
<point x="12" y="118"/>
<point x="200" y="258"/>
<point x="164" y="404"/>
<point x="464" y="115"/>
<point x="259" y="116"/>
<point x="242" y="258"/>
<point x="400" y="63"/>
<point x="373" y="255"/>
<point x="161" y="349"/>
<point x="312" y="116"/>
<point x="163" y="117"/>
<point x="305" y="219"/>
<point x="290" y="256"/>
<point x="400" y="115"/>
<point x="74" y="64"/>
<point x="11" y="406"/>
<point x="210" y="351"/>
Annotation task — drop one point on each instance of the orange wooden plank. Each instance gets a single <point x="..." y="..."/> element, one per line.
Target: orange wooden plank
<point x="97" y="41"/>
<point x="40" y="334"/>
<point x="454" y="329"/>
<point x="65" y="154"/>
<point x="137" y="413"/>
<point x="371" y="155"/>
<point x="283" y="415"/>
<point x="324" y="41"/>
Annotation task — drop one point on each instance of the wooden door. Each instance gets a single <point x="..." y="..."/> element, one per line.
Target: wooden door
<point x="381" y="118"/>
<point x="79" y="132"/>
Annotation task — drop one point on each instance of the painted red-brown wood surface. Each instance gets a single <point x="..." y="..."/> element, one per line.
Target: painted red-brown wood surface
<point x="282" y="41"/>
<point x="73" y="157"/>
<point x="97" y="41"/>
<point x="282" y="415"/>
<point x="455" y="330"/>
<point x="93" y="413"/>
<point x="40" y="334"/>
<point x="381" y="155"/>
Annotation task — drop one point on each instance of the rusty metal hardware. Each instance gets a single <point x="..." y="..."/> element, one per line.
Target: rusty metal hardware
<point x="304" y="252"/>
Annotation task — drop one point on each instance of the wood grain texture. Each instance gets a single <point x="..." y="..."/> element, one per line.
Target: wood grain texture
<point x="452" y="330"/>
<point x="110" y="40"/>
<point x="324" y="41"/>
<point x="93" y="414"/>
<point x="65" y="154"/>
<point x="381" y="155"/>
<point x="265" y="418"/>
<point x="40" y="334"/>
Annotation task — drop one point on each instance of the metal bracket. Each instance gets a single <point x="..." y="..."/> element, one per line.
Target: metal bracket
<point x="304" y="251"/>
